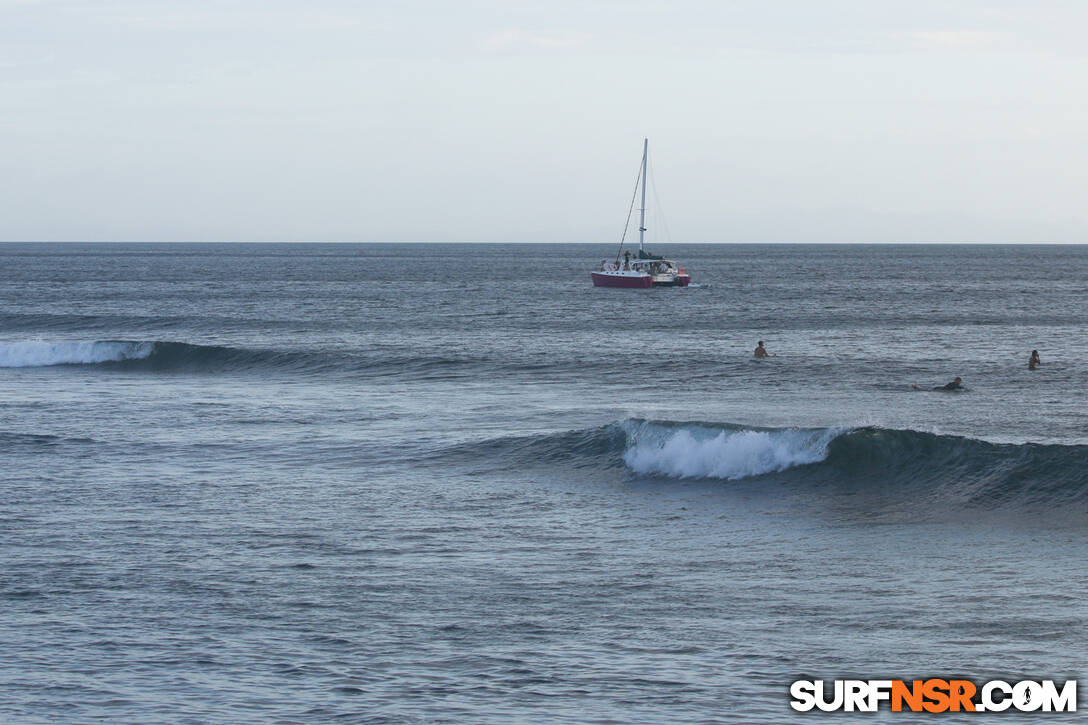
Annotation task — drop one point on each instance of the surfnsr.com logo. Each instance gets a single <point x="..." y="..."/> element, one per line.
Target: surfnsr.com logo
<point x="934" y="695"/>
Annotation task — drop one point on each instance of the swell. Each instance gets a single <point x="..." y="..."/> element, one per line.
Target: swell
<point x="132" y="355"/>
<point x="907" y="464"/>
<point x="10" y="440"/>
<point x="61" y="323"/>
<point x="165" y="356"/>
<point x="957" y="469"/>
<point x="427" y="361"/>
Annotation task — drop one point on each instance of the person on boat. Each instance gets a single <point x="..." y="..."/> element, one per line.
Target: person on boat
<point x="761" y="351"/>
<point x="627" y="260"/>
<point x="1034" y="361"/>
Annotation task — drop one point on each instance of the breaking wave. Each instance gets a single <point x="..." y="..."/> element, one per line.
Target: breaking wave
<point x="923" y="467"/>
<point x="126" y="354"/>
<point x="34" y="353"/>
<point x="165" y="356"/>
<point x="697" y="451"/>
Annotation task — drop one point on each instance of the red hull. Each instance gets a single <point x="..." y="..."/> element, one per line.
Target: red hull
<point x="610" y="280"/>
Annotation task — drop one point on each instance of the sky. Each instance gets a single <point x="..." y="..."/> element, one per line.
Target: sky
<point x="511" y="120"/>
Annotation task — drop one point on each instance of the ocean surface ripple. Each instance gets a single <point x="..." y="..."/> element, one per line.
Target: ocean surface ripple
<point x="456" y="483"/>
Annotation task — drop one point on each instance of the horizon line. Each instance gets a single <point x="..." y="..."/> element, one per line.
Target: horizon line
<point x="612" y="243"/>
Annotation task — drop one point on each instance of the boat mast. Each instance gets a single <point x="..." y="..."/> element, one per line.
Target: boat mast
<point x="642" y="211"/>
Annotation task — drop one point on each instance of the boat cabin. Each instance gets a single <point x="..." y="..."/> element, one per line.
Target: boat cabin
<point x="654" y="266"/>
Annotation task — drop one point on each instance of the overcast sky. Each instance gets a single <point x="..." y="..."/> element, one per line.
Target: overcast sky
<point x="493" y="120"/>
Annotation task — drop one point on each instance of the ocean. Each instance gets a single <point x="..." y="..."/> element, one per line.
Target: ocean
<point x="449" y="483"/>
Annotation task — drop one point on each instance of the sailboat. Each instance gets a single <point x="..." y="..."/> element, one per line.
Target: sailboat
<point x="647" y="270"/>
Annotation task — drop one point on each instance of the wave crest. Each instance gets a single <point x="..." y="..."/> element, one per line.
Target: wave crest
<point x="167" y="356"/>
<point x="33" y="353"/>
<point x="156" y="356"/>
<point x="695" y="451"/>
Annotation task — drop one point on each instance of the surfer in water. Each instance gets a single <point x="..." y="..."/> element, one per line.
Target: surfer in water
<point x="1034" y="361"/>
<point x="761" y="351"/>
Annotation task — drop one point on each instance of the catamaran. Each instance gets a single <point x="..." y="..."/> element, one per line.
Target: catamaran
<point x="647" y="270"/>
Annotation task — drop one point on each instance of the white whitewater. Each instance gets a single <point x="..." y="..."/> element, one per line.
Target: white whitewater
<point x="700" y="452"/>
<point x="36" y="353"/>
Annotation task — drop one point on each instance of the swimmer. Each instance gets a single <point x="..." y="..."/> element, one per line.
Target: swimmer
<point x="1034" y="361"/>
<point x="760" y="350"/>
